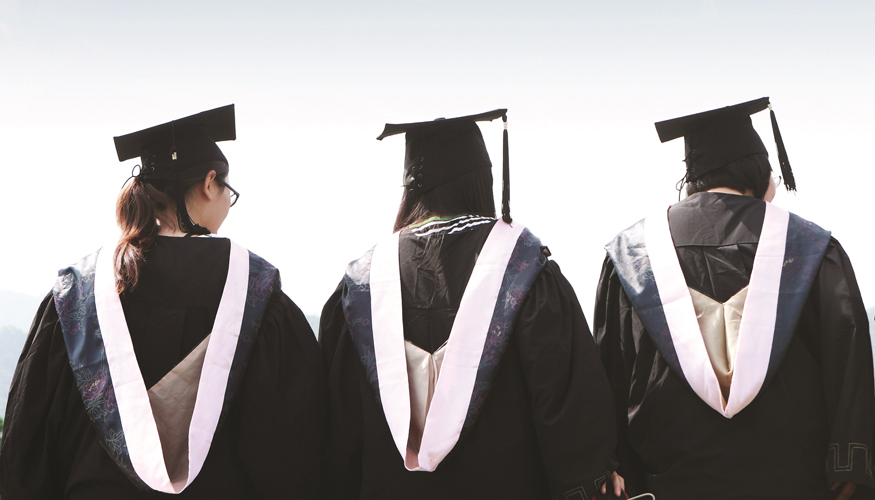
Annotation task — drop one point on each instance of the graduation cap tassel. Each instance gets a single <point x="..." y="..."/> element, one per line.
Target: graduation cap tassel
<point x="786" y="171"/>
<point x="505" y="181"/>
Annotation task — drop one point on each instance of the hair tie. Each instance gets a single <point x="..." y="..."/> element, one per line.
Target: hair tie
<point x="134" y="176"/>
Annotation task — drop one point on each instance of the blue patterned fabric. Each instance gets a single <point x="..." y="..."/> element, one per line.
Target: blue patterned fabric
<point x="74" y="301"/>
<point x="806" y="245"/>
<point x="526" y="262"/>
<point x="629" y="255"/>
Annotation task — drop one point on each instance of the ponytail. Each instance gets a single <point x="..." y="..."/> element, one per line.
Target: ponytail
<point x="144" y="206"/>
<point x="139" y="208"/>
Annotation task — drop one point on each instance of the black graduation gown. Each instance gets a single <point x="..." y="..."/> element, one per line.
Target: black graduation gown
<point x="783" y="445"/>
<point x="546" y="428"/>
<point x="269" y="446"/>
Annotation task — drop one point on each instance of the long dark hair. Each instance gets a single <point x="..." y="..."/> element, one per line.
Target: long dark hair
<point x="751" y="172"/>
<point x="468" y="194"/>
<point x="142" y="209"/>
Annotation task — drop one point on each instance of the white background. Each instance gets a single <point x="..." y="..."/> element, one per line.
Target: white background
<point x="315" y="82"/>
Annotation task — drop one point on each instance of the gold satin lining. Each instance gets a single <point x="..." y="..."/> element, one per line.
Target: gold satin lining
<point x="423" y="369"/>
<point x="719" y="323"/>
<point x="172" y="400"/>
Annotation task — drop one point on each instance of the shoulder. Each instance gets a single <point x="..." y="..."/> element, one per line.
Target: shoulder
<point x="527" y="243"/>
<point x="263" y="276"/>
<point x="528" y="237"/>
<point x="631" y="237"/>
<point x="553" y="273"/>
<point x="835" y="258"/>
<point x="805" y="241"/>
<point x="260" y="262"/>
<point x="84" y="265"/>
<point x="283" y="317"/>
<point x="46" y="315"/>
<point x="45" y="337"/>
<point x="358" y="271"/>
<point x="550" y="286"/>
<point x="74" y="285"/>
<point x="806" y="227"/>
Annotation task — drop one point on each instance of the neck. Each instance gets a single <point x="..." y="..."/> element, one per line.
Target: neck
<point x="164" y="231"/>
<point x="172" y="228"/>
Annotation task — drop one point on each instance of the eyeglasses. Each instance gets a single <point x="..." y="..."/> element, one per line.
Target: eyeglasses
<point x="776" y="179"/>
<point x="234" y="194"/>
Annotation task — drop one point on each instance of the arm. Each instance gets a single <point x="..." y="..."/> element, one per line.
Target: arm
<point x="613" y="335"/>
<point x="29" y="465"/>
<point x="846" y="360"/>
<point x="283" y="406"/>
<point x="342" y="471"/>
<point x="572" y="408"/>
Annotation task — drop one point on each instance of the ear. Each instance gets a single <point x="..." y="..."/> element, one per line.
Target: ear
<point x="204" y="186"/>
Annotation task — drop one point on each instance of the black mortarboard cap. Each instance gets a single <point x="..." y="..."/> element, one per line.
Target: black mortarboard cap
<point x="441" y="150"/>
<point x="715" y="138"/>
<point x="166" y="148"/>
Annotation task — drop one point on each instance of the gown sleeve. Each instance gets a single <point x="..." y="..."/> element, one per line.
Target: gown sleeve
<point x="834" y="328"/>
<point x="846" y="360"/>
<point x="342" y="471"/>
<point x="272" y="439"/>
<point x="282" y="406"/>
<point x="572" y="406"/>
<point x="38" y="398"/>
<point x="613" y="333"/>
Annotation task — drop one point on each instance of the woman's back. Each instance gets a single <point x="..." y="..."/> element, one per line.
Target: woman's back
<point x="530" y="421"/>
<point x="174" y="305"/>
<point x="436" y="259"/>
<point x="165" y="363"/>
<point x="267" y="445"/>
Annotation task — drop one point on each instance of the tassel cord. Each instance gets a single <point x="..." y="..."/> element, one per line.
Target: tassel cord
<point x="786" y="170"/>
<point x="505" y="181"/>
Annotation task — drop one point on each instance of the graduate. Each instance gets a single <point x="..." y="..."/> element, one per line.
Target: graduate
<point x="734" y="335"/>
<point x="460" y="362"/>
<point x="169" y="361"/>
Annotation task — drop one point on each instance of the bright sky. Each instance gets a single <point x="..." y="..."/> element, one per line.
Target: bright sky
<point x="314" y="82"/>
